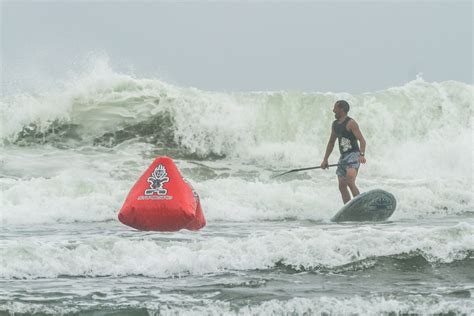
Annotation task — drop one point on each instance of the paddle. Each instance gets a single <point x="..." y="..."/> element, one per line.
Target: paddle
<point x="318" y="167"/>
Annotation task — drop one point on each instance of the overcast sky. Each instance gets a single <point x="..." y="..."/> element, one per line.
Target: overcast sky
<point x="347" y="46"/>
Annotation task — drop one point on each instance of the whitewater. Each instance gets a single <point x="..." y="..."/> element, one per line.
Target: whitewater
<point x="71" y="153"/>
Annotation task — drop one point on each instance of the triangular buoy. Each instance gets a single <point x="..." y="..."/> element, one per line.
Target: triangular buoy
<point x="162" y="200"/>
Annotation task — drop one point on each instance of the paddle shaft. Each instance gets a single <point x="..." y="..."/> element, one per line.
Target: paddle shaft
<point x="318" y="167"/>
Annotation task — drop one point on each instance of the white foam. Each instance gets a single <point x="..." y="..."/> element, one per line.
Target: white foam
<point x="301" y="248"/>
<point x="64" y="186"/>
<point x="326" y="305"/>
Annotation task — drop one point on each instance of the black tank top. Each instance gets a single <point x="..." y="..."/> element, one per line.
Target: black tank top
<point x="347" y="140"/>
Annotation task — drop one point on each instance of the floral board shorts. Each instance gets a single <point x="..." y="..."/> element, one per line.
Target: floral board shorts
<point x="353" y="156"/>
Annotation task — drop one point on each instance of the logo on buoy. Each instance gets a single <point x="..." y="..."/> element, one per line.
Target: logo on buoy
<point x="157" y="179"/>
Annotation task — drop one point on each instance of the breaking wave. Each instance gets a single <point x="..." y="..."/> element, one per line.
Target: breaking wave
<point x="102" y="107"/>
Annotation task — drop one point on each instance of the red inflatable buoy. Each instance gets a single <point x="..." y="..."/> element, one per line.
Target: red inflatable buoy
<point x="162" y="200"/>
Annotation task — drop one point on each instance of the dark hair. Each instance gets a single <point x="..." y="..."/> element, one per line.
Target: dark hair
<point x="343" y="105"/>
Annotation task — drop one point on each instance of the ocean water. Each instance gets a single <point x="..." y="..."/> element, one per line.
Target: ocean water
<point x="70" y="154"/>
